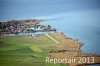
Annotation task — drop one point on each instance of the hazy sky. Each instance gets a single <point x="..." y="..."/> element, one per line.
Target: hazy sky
<point x="19" y="9"/>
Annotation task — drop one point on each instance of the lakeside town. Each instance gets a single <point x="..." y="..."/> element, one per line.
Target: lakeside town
<point x="24" y="26"/>
<point x="52" y="45"/>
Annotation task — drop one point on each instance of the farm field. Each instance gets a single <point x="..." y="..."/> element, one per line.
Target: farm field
<point x="25" y="50"/>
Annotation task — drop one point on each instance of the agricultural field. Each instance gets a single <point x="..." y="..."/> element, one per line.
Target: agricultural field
<point x="25" y="50"/>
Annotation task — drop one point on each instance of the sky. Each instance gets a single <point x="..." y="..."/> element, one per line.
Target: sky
<point x="22" y="9"/>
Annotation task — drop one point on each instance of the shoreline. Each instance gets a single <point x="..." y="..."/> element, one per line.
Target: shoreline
<point x="65" y="47"/>
<point x="62" y="51"/>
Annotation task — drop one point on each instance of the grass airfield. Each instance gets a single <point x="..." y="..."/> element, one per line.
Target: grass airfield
<point x="20" y="50"/>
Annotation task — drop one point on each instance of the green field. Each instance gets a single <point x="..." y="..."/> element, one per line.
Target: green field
<point x="25" y="51"/>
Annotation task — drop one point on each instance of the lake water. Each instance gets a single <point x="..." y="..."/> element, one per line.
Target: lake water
<point x="82" y="25"/>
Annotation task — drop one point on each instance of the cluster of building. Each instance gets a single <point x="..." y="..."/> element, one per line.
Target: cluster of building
<point x="23" y="26"/>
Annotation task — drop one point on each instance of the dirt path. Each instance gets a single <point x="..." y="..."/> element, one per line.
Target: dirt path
<point x="52" y="38"/>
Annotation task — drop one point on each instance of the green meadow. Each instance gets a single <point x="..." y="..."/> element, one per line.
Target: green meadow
<point x="25" y="50"/>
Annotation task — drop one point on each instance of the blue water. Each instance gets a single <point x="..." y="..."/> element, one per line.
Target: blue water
<point x="82" y="25"/>
<point x="24" y="9"/>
